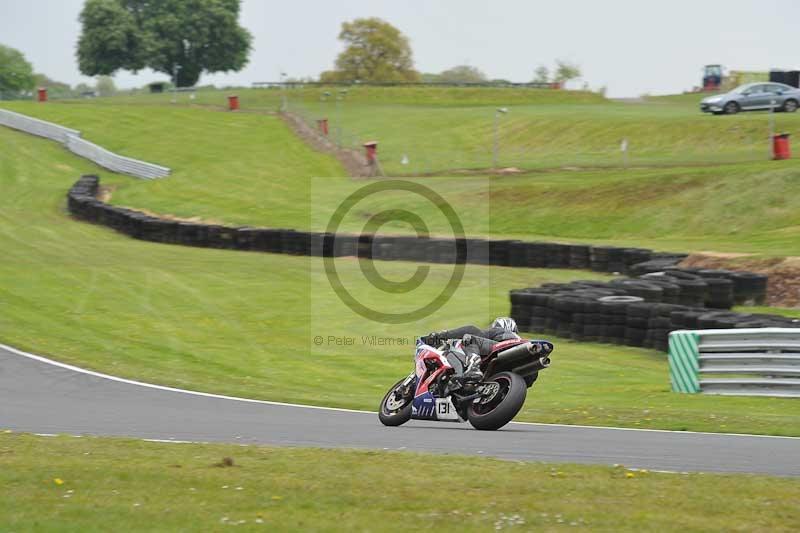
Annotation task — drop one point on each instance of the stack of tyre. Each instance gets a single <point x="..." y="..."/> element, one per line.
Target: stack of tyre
<point x="614" y="259"/>
<point x="83" y="204"/>
<point x="635" y="311"/>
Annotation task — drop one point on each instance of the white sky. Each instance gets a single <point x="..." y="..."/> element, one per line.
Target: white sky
<point x="630" y="46"/>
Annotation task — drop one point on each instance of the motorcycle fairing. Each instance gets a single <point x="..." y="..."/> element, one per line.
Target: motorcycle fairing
<point x="425" y="405"/>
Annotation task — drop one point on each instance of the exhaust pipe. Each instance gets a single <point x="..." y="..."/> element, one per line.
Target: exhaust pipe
<point x="529" y="348"/>
<point x="542" y="363"/>
<point x="519" y="355"/>
<point x="539" y="364"/>
<point x="518" y="350"/>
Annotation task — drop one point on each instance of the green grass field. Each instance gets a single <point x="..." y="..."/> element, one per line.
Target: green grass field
<point x="444" y="129"/>
<point x="247" y="169"/>
<point x="241" y="323"/>
<point x="79" y="484"/>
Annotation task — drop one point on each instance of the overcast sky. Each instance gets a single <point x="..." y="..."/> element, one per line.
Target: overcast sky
<point x="630" y="46"/>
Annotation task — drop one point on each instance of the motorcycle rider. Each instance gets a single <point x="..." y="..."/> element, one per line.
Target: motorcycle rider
<point x="475" y="342"/>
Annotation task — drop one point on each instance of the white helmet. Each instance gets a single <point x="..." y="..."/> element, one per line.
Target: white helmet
<point x="505" y="323"/>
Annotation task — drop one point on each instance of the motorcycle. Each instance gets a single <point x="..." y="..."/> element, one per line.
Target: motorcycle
<point x="433" y="392"/>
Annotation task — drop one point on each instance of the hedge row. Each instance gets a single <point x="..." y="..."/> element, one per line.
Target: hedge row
<point x="637" y="312"/>
<point x="716" y="288"/>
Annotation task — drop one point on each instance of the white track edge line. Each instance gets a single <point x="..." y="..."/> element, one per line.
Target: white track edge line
<point x="80" y="370"/>
<point x="165" y="388"/>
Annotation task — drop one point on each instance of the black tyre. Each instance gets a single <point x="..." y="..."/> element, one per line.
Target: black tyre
<point x="394" y="411"/>
<point x="731" y="108"/>
<point x="501" y="408"/>
<point x="790" y="106"/>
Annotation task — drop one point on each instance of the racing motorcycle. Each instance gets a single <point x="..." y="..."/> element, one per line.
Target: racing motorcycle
<point x="433" y="392"/>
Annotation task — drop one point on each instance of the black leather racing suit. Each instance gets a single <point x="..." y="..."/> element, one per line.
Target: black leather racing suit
<point x="478" y="341"/>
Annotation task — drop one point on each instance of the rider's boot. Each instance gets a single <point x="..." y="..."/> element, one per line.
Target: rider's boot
<point x="473" y="371"/>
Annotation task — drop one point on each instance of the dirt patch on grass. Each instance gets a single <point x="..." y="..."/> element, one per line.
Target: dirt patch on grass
<point x="783" y="289"/>
<point x="104" y="192"/>
<point x="168" y="216"/>
<point x="353" y="161"/>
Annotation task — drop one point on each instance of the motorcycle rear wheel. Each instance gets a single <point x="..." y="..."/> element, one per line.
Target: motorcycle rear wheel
<point x="392" y="415"/>
<point x="501" y="409"/>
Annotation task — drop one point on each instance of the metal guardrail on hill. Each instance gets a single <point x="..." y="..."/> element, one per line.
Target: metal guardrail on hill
<point x="745" y="362"/>
<point x="72" y="140"/>
<point x="112" y="161"/>
<point x="35" y="126"/>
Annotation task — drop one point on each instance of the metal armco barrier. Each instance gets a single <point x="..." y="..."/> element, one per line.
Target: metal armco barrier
<point x="742" y="362"/>
<point x="71" y="139"/>
<point x="112" y="161"/>
<point x="34" y="126"/>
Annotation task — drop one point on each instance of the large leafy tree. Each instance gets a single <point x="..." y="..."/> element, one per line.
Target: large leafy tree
<point x="187" y="36"/>
<point x="16" y="74"/>
<point x="375" y="51"/>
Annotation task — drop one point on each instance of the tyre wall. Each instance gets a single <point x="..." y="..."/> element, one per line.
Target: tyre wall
<point x="571" y="310"/>
<point x="638" y="312"/>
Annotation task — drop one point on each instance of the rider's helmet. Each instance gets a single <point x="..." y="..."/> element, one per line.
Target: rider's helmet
<point x="505" y="323"/>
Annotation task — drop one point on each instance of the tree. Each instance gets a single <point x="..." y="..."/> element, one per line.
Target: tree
<point x="53" y="86"/>
<point x="84" y="89"/>
<point x="375" y="51"/>
<point x="187" y="36"/>
<point x="55" y="89"/>
<point x="105" y="86"/>
<point x="541" y="74"/>
<point x="16" y="74"/>
<point x="566" y="71"/>
<point x="462" y="74"/>
<point x="429" y="77"/>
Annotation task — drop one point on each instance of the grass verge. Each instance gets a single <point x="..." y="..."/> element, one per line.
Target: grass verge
<point x="80" y="484"/>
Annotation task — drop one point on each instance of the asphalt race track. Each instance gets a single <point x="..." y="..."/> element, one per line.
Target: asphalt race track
<point x="41" y="396"/>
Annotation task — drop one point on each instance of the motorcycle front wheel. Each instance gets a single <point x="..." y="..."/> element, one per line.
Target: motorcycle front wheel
<point x="395" y="407"/>
<point x="498" y="410"/>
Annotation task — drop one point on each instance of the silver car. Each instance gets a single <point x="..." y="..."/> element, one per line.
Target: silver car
<point x="752" y="97"/>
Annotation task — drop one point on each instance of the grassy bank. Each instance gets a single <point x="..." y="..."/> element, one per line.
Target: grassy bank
<point x="249" y="169"/>
<point x="440" y="129"/>
<point x="70" y="484"/>
<point x="242" y="323"/>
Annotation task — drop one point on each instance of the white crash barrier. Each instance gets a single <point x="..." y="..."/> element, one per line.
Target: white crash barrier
<point x="72" y="140"/>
